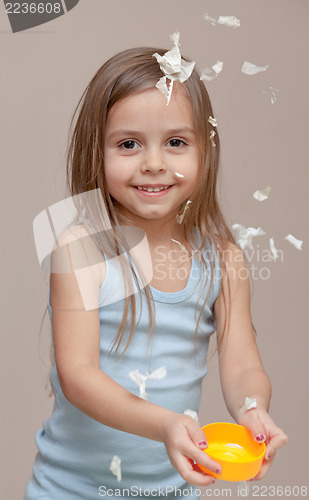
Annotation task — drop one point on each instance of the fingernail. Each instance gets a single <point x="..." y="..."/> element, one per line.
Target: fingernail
<point x="260" y="438"/>
<point x="217" y="471"/>
<point x="268" y="456"/>
<point x="202" y="443"/>
<point x="213" y="481"/>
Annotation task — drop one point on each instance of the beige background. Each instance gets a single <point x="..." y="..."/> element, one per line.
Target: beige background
<point x="43" y="73"/>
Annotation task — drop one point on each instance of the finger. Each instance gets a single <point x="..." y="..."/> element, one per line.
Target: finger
<point x="201" y="457"/>
<point x="277" y="440"/>
<point x="191" y="475"/>
<point x="197" y="435"/>
<point x="254" y="425"/>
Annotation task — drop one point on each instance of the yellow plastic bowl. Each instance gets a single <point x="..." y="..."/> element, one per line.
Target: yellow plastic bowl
<point x="233" y="447"/>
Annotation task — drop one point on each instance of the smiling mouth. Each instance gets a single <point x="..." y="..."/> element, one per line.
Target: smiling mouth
<point x="153" y="189"/>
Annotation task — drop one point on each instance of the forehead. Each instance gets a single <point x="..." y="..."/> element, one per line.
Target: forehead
<point x="149" y="106"/>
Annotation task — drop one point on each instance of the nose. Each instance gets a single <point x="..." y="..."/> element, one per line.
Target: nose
<point x="153" y="161"/>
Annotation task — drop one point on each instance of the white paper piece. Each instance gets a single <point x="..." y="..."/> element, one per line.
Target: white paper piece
<point x="297" y="243"/>
<point x="209" y="74"/>
<point x="140" y="379"/>
<point x="273" y="249"/>
<point x="212" y="135"/>
<point x="211" y="20"/>
<point x="115" y="467"/>
<point x="272" y="93"/>
<point x="178" y="174"/>
<point x="250" y="403"/>
<point x="213" y="121"/>
<point x="180" y="244"/>
<point x="173" y="66"/>
<point x="229" y="21"/>
<point x="251" y="69"/>
<point x="192" y="414"/>
<point x="179" y="218"/>
<point x="262" y="194"/>
<point x="245" y="235"/>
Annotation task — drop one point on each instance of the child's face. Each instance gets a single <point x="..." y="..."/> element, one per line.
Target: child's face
<point x="146" y="142"/>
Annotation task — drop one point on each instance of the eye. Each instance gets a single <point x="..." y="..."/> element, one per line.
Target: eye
<point x="128" y="144"/>
<point x="176" y="143"/>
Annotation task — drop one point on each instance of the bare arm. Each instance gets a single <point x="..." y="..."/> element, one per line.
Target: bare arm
<point x="241" y="370"/>
<point x="76" y="334"/>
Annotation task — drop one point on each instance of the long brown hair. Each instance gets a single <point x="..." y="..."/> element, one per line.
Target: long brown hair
<point x="125" y="74"/>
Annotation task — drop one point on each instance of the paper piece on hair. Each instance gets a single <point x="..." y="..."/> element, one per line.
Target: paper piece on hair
<point x="250" y="403"/>
<point x="251" y="69"/>
<point x="178" y="174"/>
<point x="272" y="93"/>
<point x="175" y="38"/>
<point x="212" y="135"/>
<point x="179" y="218"/>
<point x="213" y="121"/>
<point x="212" y="73"/>
<point x="229" y="21"/>
<point x="180" y="244"/>
<point x="192" y="414"/>
<point x="173" y="66"/>
<point x="243" y="489"/>
<point x="273" y="248"/>
<point x="246" y="234"/>
<point x="140" y="379"/>
<point x="262" y="194"/>
<point x="115" y="467"/>
<point x="297" y="243"/>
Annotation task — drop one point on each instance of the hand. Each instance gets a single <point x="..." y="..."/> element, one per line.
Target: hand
<point x="185" y="441"/>
<point x="263" y="428"/>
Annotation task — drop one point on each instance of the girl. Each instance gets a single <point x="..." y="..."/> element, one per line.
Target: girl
<point x="153" y="272"/>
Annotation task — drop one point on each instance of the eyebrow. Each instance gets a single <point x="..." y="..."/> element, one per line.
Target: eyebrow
<point x="174" y="131"/>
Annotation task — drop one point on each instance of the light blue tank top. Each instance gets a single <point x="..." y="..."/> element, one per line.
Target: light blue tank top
<point x="75" y="451"/>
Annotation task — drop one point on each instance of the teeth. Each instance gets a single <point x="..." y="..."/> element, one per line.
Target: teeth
<point x="152" y="190"/>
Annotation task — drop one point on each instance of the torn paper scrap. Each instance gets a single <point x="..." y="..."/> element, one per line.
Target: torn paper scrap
<point x="273" y="249"/>
<point x="262" y="194"/>
<point x="251" y="69"/>
<point x="140" y="379"/>
<point x="229" y="21"/>
<point x="212" y="135"/>
<point x="250" y="403"/>
<point x="245" y="235"/>
<point x="211" y="73"/>
<point x="157" y="374"/>
<point x="211" y="20"/>
<point x="178" y="174"/>
<point x="297" y="243"/>
<point x="173" y="66"/>
<point x="213" y="121"/>
<point x="272" y="93"/>
<point x="115" y="467"/>
<point x="179" y="218"/>
<point x="192" y="414"/>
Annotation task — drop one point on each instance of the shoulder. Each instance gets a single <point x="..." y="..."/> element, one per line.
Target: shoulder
<point x="76" y="251"/>
<point x="229" y="252"/>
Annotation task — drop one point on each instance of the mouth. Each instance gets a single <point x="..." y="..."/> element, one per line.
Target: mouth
<point x="153" y="188"/>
